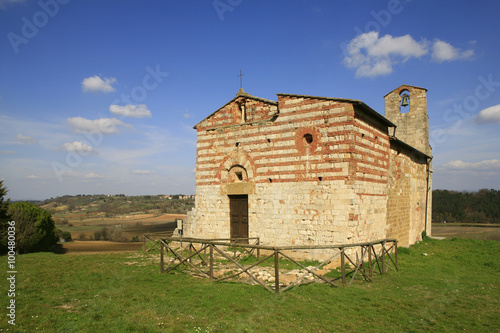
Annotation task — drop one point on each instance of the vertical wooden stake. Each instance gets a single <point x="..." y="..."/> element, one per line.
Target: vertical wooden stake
<point x="204" y="253"/>
<point x="211" y="262"/>
<point x="161" y="257"/>
<point x="144" y="243"/>
<point x="396" y="254"/>
<point x="276" y="272"/>
<point x="383" y="257"/>
<point x="258" y="249"/>
<point x="362" y="263"/>
<point x="370" y="266"/>
<point x="190" y="251"/>
<point x="342" y="264"/>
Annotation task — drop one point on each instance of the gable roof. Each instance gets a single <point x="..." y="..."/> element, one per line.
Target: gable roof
<point x="369" y="111"/>
<point x="241" y="93"/>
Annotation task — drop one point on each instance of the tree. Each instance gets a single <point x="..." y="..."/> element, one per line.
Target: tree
<point x="35" y="228"/>
<point x="4" y="218"/>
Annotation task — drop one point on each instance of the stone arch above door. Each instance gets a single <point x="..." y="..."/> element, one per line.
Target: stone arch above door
<point x="236" y="159"/>
<point x="236" y="174"/>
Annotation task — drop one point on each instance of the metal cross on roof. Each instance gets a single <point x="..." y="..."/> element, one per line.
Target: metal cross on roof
<point x="241" y="79"/>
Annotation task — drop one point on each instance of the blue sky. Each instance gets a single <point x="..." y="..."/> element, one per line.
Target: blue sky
<point x="101" y="96"/>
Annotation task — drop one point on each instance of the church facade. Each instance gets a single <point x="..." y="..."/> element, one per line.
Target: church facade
<point x="309" y="170"/>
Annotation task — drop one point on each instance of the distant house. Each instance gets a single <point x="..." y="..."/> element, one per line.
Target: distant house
<point x="314" y="170"/>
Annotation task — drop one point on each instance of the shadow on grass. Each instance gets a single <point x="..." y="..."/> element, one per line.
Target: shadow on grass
<point x="59" y="249"/>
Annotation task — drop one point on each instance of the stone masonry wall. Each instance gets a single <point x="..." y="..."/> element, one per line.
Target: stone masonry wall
<point x="406" y="204"/>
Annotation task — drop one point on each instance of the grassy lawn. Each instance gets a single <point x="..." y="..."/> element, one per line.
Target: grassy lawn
<point x="455" y="287"/>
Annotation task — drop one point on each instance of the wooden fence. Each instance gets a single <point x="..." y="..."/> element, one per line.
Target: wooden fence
<point x="203" y="257"/>
<point x="152" y="241"/>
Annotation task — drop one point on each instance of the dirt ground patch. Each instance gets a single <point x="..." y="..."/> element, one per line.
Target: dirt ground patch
<point x="150" y="228"/>
<point x="481" y="232"/>
<point x="95" y="247"/>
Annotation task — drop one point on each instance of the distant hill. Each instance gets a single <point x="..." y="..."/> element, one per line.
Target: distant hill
<point x="113" y="205"/>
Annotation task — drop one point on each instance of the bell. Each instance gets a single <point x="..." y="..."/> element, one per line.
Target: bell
<point x="406" y="100"/>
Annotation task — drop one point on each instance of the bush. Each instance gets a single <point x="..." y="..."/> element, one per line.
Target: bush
<point x="101" y="234"/>
<point x="35" y="228"/>
<point x="64" y="236"/>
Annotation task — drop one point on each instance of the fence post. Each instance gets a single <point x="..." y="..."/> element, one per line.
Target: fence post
<point x="161" y="257"/>
<point x="190" y="246"/>
<point x="396" y="254"/>
<point x="276" y="272"/>
<point x="258" y="249"/>
<point x="383" y="257"/>
<point x="211" y="262"/>
<point x="342" y="264"/>
<point x="370" y="267"/>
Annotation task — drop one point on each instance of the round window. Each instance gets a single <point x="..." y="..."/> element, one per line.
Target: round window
<point x="308" y="139"/>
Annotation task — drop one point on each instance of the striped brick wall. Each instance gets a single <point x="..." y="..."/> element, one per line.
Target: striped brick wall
<point x="343" y="147"/>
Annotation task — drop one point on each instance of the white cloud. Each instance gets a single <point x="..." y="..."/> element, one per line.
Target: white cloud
<point x="25" y="139"/>
<point x="129" y="110"/>
<point x="372" y="55"/>
<point x="101" y="125"/>
<point x="486" y="165"/>
<point x="93" y="175"/>
<point x="78" y="146"/>
<point x="143" y="172"/>
<point x="443" y="51"/>
<point x="489" y="115"/>
<point x="32" y="176"/>
<point x="97" y="84"/>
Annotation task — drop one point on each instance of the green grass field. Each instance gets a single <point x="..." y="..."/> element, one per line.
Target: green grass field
<point x="455" y="287"/>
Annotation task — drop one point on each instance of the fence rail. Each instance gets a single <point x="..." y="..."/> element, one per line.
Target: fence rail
<point x="203" y="257"/>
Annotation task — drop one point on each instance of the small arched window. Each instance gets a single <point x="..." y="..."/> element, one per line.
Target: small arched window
<point x="237" y="173"/>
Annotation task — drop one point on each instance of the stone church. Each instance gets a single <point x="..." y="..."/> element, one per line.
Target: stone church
<point x="310" y="170"/>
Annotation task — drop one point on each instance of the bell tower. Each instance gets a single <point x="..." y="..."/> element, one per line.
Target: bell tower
<point x="406" y="107"/>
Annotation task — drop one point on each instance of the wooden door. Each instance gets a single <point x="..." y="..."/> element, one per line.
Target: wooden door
<point x="238" y="211"/>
